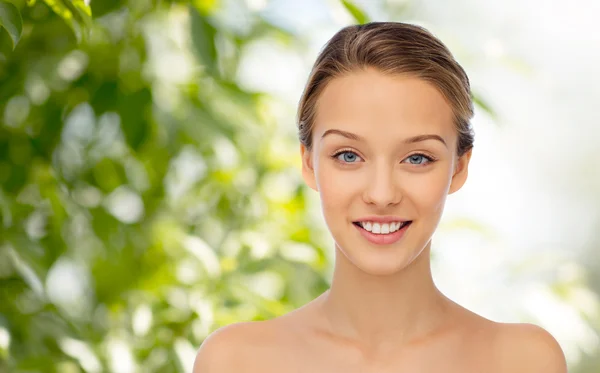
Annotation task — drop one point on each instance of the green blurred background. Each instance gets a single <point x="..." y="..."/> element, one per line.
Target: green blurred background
<point x="151" y="188"/>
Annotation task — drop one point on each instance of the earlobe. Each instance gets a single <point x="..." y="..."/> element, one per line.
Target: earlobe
<point x="308" y="171"/>
<point x="461" y="171"/>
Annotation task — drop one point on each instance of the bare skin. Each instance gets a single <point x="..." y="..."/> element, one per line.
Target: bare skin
<point x="305" y="340"/>
<point x="383" y="312"/>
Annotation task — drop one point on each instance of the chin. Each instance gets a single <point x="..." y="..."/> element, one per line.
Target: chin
<point x="388" y="269"/>
<point x="380" y="261"/>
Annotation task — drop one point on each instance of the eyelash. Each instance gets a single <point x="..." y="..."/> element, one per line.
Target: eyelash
<point x="429" y="158"/>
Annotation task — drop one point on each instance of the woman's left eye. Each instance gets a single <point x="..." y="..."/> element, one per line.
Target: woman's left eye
<point x="418" y="159"/>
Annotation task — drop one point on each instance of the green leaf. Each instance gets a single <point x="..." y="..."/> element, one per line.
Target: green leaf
<point x="81" y="12"/>
<point x="76" y="14"/>
<point x="483" y="104"/>
<point x="134" y="110"/>
<point x="206" y="6"/>
<point x="203" y="39"/>
<point x="359" y="15"/>
<point x="81" y="5"/>
<point x="59" y="8"/>
<point x="11" y="20"/>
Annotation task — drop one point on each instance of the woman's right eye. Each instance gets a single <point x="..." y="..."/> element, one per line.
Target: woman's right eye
<point x="346" y="156"/>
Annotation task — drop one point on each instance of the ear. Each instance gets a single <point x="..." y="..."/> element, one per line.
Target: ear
<point x="461" y="171"/>
<point x="308" y="170"/>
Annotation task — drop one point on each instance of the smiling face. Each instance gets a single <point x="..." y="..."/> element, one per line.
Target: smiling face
<point x="383" y="145"/>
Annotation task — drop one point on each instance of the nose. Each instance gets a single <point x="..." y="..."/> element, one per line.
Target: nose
<point x="382" y="189"/>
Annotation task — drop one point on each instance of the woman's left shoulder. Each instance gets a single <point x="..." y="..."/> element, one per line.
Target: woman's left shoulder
<point x="524" y="347"/>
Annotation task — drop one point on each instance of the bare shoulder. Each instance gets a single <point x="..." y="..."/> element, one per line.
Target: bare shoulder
<point x="254" y="346"/>
<point x="231" y="348"/>
<point x="528" y="348"/>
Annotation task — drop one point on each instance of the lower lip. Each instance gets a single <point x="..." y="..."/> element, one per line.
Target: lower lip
<point x="383" y="239"/>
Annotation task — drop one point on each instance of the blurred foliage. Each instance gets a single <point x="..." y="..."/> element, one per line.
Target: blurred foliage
<point x="10" y="20"/>
<point x="147" y="197"/>
<point x="143" y="201"/>
<point x="358" y="14"/>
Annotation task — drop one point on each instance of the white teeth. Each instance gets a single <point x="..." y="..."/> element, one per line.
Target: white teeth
<point x="379" y="228"/>
<point x="385" y="228"/>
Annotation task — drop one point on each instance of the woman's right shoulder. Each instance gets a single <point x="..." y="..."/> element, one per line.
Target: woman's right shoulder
<point x="228" y="349"/>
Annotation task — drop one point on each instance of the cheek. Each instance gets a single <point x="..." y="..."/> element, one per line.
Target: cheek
<point x="337" y="188"/>
<point x="428" y="192"/>
<point x="333" y="186"/>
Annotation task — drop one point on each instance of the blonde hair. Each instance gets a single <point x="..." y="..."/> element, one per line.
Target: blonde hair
<point x="391" y="48"/>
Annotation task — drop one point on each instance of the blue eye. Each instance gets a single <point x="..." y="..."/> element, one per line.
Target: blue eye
<point x="346" y="156"/>
<point x="418" y="159"/>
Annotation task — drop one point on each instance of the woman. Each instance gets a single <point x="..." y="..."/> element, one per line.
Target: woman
<point x="384" y="126"/>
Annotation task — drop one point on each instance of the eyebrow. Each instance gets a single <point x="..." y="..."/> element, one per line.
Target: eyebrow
<point x="410" y="140"/>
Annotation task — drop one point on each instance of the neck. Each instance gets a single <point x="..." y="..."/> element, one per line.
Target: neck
<point x="383" y="310"/>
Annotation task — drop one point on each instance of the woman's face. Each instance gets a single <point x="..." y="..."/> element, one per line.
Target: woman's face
<point x="383" y="147"/>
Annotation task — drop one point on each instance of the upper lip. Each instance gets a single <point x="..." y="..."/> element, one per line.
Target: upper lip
<point x="381" y="219"/>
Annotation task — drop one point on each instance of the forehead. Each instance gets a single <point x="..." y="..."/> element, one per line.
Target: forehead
<point x="369" y="102"/>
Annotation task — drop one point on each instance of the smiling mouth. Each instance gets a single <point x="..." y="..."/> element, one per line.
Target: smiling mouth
<point x="382" y="229"/>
